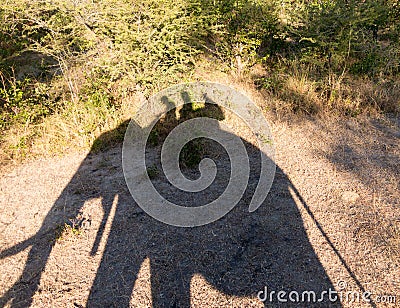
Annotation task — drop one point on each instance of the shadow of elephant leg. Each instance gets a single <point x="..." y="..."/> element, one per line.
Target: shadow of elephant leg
<point x="119" y="267"/>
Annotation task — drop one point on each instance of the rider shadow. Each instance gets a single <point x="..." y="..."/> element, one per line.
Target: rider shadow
<point x="239" y="255"/>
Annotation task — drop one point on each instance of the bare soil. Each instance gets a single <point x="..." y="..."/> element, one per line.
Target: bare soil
<point x="71" y="235"/>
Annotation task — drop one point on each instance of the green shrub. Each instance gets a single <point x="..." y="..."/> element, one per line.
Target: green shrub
<point x="346" y="33"/>
<point x="239" y="32"/>
<point x="23" y="101"/>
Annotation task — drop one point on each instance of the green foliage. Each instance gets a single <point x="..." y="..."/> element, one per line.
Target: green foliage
<point x="86" y="57"/>
<point x="66" y="230"/>
<point x="151" y="41"/>
<point x="24" y="101"/>
<point x="152" y="172"/>
<point x="192" y="153"/>
<point x="346" y="33"/>
<point x="238" y="31"/>
<point x="153" y="137"/>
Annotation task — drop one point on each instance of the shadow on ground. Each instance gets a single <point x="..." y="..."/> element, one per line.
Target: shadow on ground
<point x="238" y="255"/>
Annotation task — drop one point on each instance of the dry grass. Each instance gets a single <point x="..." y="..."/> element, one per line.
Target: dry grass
<point x="299" y="89"/>
<point x="90" y="107"/>
<point x="74" y="128"/>
<point x="367" y="149"/>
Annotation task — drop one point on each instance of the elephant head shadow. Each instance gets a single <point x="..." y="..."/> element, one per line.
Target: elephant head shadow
<point x="240" y="254"/>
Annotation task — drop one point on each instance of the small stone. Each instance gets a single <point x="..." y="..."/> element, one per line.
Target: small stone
<point x="350" y="196"/>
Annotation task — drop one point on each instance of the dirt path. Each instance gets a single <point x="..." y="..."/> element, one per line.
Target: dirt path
<point x="331" y="220"/>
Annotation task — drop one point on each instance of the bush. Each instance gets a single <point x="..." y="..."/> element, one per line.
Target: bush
<point x="347" y="34"/>
<point x="23" y="101"/>
<point x="89" y="60"/>
<point x="238" y="32"/>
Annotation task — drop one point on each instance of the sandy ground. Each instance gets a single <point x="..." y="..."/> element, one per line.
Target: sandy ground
<point x="330" y="221"/>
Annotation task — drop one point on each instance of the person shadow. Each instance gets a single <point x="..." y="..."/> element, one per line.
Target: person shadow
<point x="241" y="254"/>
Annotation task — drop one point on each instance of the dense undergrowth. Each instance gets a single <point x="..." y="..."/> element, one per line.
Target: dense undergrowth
<point x="70" y="70"/>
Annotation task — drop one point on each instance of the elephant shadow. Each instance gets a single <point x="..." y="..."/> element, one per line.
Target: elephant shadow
<point x="240" y="254"/>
